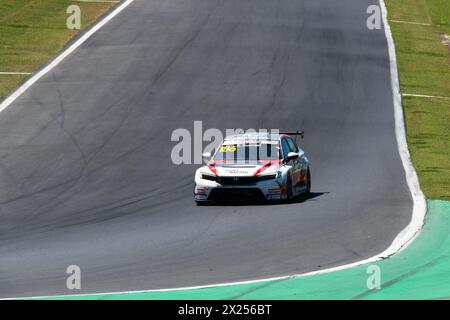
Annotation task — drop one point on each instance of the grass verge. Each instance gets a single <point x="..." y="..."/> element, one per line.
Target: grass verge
<point x="424" y="68"/>
<point x="32" y="31"/>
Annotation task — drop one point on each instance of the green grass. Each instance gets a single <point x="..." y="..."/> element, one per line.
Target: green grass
<point x="32" y="31"/>
<point x="424" y="68"/>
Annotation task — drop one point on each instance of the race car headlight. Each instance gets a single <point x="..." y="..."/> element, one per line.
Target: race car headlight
<point x="209" y="177"/>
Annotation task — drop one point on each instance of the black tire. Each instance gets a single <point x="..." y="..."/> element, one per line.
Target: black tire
<point x="308" y="182"/>
<point x="289" y="189"/>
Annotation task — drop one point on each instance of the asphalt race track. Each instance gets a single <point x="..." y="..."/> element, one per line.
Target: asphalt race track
<point x="86" y="176"/>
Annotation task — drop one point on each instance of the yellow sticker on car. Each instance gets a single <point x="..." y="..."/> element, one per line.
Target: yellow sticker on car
<point x="229" y="148"/>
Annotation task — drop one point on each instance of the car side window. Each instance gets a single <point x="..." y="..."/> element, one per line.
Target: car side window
<point x="285" y="147"/>
<point x="292" y="146"/>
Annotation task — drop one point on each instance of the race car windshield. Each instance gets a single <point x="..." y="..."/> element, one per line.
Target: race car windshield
<point x="247" y="152"/>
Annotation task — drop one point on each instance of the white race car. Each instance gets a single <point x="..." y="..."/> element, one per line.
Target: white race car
<point x="254" y="166"/>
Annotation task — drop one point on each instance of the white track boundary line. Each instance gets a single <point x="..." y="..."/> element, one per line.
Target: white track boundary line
<point x="423" y="96"/>
<point x="97" y="1"/>
<point x="10" y="99"/>
<point x="411" y="22"/>
<point x="14" y="73"/>
<point x="407" y="235"/>
<point x="403" y="239"/>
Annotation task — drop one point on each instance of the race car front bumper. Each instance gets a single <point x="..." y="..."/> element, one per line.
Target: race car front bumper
<point x="238" y="188"/>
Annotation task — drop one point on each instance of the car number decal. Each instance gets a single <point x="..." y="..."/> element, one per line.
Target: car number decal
<point x="228" y="148"/>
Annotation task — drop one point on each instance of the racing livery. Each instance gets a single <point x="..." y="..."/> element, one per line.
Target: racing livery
<point x="254" y="166"/>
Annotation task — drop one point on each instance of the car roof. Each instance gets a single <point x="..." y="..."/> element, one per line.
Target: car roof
<point x="253" y="136"/>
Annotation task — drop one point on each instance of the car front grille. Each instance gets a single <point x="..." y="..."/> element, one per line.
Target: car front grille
<point x="236" y="181"/>
<point x="238" y="194"/>
<point x="233" y="181"/>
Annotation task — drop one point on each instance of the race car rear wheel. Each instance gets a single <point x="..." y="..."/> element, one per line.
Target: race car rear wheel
<point x="308" y="181"/>
<point x="289" y="189"/>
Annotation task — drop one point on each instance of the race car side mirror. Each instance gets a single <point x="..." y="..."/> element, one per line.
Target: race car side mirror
<point x="206" y="155"/>
<point x="292" y="156"/>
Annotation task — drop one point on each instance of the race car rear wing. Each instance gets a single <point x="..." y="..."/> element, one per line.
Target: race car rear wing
<point x="300" y="133"/>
